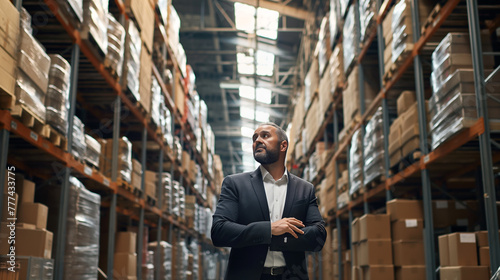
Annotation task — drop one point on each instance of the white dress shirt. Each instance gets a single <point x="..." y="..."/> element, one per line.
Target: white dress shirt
<point x="276" y="196"/>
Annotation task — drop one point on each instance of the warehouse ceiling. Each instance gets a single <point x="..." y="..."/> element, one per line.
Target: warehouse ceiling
<point x="221" y="47"/>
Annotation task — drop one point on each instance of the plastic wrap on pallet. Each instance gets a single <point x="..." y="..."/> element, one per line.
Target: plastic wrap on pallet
<point x="28" y="94"/>
<point x="72" y="7"/>
<point x="355" y="164"/>
<point x="116" y="44"/>
<point x="182" y="260"/>
<point x="34" y="61"/>
<point x="343" y="199"/>
<point x="203" y="115"/>
<point x="79" y="144"/>
<point x="334" y="22"/>
<point x="95" y="22"/>
<point x="374" y="148"/>
<point x="131" y="69"/>
<point x="156" y="101"/>
<point x="33" y="267"/>
<point x="323" y="47"/>
<point x="401" y="32"/>
<point x="125" y="152"/>
<point x="174" y="26"/>
<point x="343" y="5"/>
<point x="82" y="233"/>
<point x="93" y="151"/>
<point x="57" y="99"/>
<point x="25" y="19"/>
<point x="350" y="40"/>
<point x="367" y="11"/>
<point x="166" y="125"/>
<point x="165" y="255"/>
<point x="162" y="8"/>
<point x="148" y="268"/>
<point x="193" y="247"/>
<point x="337" y="68"/>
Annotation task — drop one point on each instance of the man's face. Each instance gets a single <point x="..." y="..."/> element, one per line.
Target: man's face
<point x="266" y="145"/>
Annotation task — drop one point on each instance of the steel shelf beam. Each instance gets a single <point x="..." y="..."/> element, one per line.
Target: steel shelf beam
<point x="4" y="153"/>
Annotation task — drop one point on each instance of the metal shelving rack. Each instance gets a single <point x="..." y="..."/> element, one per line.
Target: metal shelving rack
<point x="165" y="221"/>
<point x="479" y="130"/>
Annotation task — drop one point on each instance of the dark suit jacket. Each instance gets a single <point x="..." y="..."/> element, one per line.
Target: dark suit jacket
<point x="242" y="221"/>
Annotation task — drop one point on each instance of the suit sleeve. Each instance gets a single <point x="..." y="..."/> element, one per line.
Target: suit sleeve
<point x="314" y="235"/>
<point x="226" y="231"/>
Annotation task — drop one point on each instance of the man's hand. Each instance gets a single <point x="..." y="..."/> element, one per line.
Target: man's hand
<point x="290" y="225"/>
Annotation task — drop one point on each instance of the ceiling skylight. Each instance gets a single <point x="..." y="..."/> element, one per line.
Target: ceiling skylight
<point x="267" y="20"/>
<point x="265" y="63"/>
<point x="247" y="131"/>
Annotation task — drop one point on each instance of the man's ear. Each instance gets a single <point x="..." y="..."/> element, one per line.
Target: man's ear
<point x="283" y="146"/>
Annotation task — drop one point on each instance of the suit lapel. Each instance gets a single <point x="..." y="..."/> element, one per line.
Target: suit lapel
<point x="258" y="187"/>
<point x="290" y="195"/>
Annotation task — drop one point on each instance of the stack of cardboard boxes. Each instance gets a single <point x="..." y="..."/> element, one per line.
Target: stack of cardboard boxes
<point x="345" y="255"/>
<point x="190" y="210"/>
<point x="95" y="24"/>
<point x="407" y="238"/>
<point x="165" y="253"/>
<point x="132" y="60"/>
<point x="355" y="163"/>
<point x="116" y="44"/>
<point x="349" y="40"/>
<point x="136" y="177"/>
<point x="404" y="135"/>
<point x="337" y="77"/>
<point x="351" y="97"/>
<point x="125" y="258"/>
<point x="9" y="34"/>
<point x="124" y="158"/>
<point x="150" y="183"/>
<point x="343" y="198"/>
<point x="367" y="19"/>
<point x="459" y="259"/>
<point x="387" y="34"/>
<point x="371" y="242"/>
<point x="31" y="237"/>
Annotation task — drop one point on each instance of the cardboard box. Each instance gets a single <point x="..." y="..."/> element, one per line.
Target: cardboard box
<point x="28" y="242"/>
<point x="126" y="242"/>
<point x="136" y="166"/>
<point x="405" y="100"/>
<point x="462" y="249"/>
<point x="27" y="191"/>
<point x="355" y="231"/>
<point x="151" y="176"/>
<point x="33" y="213"/>
<point x="136" y="180"/>
<point x="9" y="28"/>
<point x="375" y="252"/>
<point x="400" y="209"/>
<point x="464" y="272"/>
<point x="145" y="80"/>
<point x="374" y="227"/>
<point x="378" y="272"/>
<point x="444" y="250"/>
<point x="150" y="189"/>
<point x="414" y="272"/>
<point x="484" y="256"/>
<point x="407" y="230"/>
<point x="8" y="63"/>
<point x="408" y="253"/>
<point x="125" y="265"/>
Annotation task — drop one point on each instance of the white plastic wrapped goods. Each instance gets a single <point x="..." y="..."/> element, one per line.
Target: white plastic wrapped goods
<point x="25" y="19"/>
<point x="79" y="145"/>
<point x="57" y="99"/>
<point x="374" y="148"/>
<point x="350" y="40"/>
<point x="355" y="163"/>
<point x="93" y="150"/>
<point x="82" y="233"/>
<point x="148" y="268"/>
<point x="72" y="7"/>
<point x="95" y="22"/>
<point x="116" y="43"/>
<point x="165" y="252"/>
<point x="156" y="101"/>
<point x="367" y="11"/>
<point x="28" y="94"/>
<point x="334" y="21"/>
<point x="132" y="65"/>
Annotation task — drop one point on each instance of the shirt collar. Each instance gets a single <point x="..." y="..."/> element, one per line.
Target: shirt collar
<point x="266" y="173"/>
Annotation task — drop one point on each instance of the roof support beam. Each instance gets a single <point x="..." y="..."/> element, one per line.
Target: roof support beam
<point x="279" y="7"/>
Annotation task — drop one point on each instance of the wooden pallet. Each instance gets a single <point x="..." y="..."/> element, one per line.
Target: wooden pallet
<point x="358" y="193"/>
<point x="29" y="119"/>
<point x="375" y="181"/>
<point x="397" y="64"/>
<point x="56" y="138"/>
<point x="7" y="100"/>
<point x="111" y="69"/>
<point x="406" y="161"/>
<point x="430" y="19"/>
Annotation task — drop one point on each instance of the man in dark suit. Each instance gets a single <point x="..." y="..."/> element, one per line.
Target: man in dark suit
<point x="268" y="217"/>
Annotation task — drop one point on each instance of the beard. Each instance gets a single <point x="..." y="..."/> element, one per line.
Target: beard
<point x="267" y="156"/>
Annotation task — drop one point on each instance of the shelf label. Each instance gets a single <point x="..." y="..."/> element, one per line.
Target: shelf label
<point x="411" y="223"/>
<point x="13" y="124"/>
<point x="34" y="136"/>
<point x="427" y="158"/>
<point x="87" y="170"/>
<point x="105" y="182"/>
<point x="441" y="204"/>
<point x="467" y="238"/>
